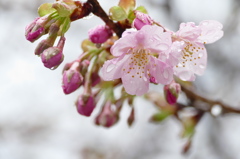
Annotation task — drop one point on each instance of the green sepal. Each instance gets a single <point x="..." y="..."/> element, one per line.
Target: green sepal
<point x="142" y="9"/>
<point x="189" y="128"/>
<point x="65" y="26"/>
<point x="45" y="9"/>
<point x="87" y="45"/>
<point x="160" y="116"/>
<point x="63" y="9"/>
<point x="117" y="13"/>
<point x="131" y="15"/>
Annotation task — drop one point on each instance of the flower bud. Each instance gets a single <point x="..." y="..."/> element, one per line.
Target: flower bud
<point x="72" y="80"/>
<point x="85" y="104"/>
<point x="35" y="30"/>
<point x="107" y="117"/>
<point x="95" y="78"/>
<point x="53" y="56"/>
<point x="171" y="92"/>
<point x="84" y="66"/>
<point x="99" y="34"/>
<point x="43" y="45"/>
<point x="141" y="20"/>
<point x="153" y="80"/>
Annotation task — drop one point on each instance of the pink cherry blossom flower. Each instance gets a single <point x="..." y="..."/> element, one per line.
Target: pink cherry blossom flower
<point x="136" y="61"/>
<point x="188" y="47"/>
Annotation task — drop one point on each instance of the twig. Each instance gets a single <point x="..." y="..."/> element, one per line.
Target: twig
<point x="194" y="97"/>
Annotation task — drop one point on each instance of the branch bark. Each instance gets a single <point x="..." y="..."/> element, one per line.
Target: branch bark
<point x="194" y="97"/>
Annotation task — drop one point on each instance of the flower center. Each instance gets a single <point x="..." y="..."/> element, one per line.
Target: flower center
<point x="190" y="54"/>
<point x="136" y="65"/>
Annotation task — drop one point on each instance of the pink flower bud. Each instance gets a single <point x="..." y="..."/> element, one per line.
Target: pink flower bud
<point x="171" y="92"/>
<point x="85" y="104"/>
<point x="153" y="80"/>
<point x="43" y="45"/>
<point x="141" y="20"/>
<point x="53" y="56"/>
<point x="36" y="29"/>
<point x="99" y="34"/>
<point x="84" y="66"/>
<point x="72" y="80"/>
<point x="107" y="116"/>
<point x="95" y="78"/>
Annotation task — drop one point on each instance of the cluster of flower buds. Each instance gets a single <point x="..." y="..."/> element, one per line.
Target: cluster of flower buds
<point x="54" y="19"/>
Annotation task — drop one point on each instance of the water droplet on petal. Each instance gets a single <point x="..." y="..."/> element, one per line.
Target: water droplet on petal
<point x="110" y="67"/>
<point x="144" y="78"/>
<point x="201" y="66"/>
<point x="200" y="54"/>
<point x="185" y="75"/>
<point x="165" y="74"/>
<point x="163" y="47"/>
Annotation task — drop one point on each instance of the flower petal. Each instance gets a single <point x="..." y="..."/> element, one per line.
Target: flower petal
<point x="191" y="64"/>
<point x="155" y="39"/>
<point x="135" y="85"/>
<point x="188" y="31"/>
<point x="162" y="72"/>
<point x="112" y="69"/>
<point x="122" y="45"/>
<point x="211" y="31"/>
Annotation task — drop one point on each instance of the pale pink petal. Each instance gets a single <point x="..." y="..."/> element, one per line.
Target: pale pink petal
<point x="199" y="65"/>
<point x="122" y="45"/>
<point x="161" y="72"/>
<point x="191" y="64"/>
<point x="155" y="39"/>
<point x="174" y="55"/>
<point x="211" y="31"/>
<point x="188" y="31"/>
<point x="184" y="74"/>
<point x="112" y="69"/>
<point x="135" y="86"/>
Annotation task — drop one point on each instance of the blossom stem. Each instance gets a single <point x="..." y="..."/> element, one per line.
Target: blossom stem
<point x="88" y="82"/>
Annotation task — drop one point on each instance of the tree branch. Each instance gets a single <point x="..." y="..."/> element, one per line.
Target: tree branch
<point x="194" y="97"/>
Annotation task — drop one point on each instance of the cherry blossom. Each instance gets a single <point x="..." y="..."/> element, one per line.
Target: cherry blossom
<point x="135" y="59"/>
<point x="188" y="47"/>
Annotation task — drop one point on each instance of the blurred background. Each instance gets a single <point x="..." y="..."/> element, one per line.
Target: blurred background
<point x="37" y="121"/>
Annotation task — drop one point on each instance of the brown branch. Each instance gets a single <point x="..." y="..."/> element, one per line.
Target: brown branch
<point x="194" y="97"/>
<point x="98" y="11"/>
